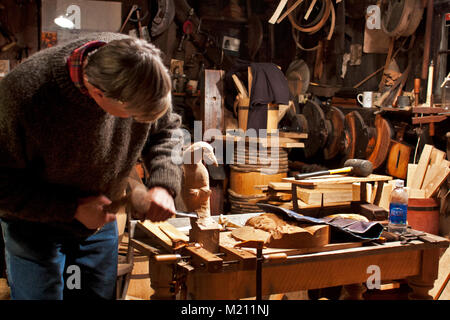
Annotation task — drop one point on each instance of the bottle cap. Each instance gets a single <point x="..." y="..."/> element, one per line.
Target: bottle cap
<point x="399" y="183"/>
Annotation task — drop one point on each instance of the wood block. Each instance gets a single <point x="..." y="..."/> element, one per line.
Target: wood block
<point x="422" y="167"/>
<point x="356" y="192"/>
<point x="385" y="196"/>
<point x="314" y="196"/>
<point x="206" y="235"/>
<point x="331" y="181"/>
<point x="200" y="257"/>
<point x="410" y="175"/>
<point x="247" y="259"/>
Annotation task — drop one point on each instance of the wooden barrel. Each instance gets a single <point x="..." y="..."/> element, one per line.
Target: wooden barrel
<point x="423" y="215"/>
<point x="244" y="182"/>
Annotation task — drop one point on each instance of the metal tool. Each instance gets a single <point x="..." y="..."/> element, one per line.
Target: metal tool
<point x="188" y="28"/>
<point x="186" y="215"/>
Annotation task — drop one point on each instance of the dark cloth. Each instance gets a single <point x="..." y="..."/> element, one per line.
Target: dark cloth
<point x="269" y="85"/>
<point x="57" y="145"/>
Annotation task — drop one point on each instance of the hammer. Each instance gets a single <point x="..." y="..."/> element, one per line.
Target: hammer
<point x="356" y="167"/>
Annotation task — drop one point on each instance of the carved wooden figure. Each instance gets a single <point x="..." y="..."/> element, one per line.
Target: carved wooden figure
<point x="196" y="195"/>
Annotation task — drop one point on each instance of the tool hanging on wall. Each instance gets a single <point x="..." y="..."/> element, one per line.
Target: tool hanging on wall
<point x="188" y="28"/>
<point x="163" y="18"/>
<point x="142" y="31"/>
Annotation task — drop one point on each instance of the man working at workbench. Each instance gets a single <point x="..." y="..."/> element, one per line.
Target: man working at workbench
<point x="74" y="119"/>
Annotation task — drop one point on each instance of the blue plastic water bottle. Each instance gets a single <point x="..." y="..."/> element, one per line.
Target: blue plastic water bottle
<point x="398" y="208"/>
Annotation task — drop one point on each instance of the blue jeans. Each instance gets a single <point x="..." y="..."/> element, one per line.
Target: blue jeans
<point x="45" y="263"/>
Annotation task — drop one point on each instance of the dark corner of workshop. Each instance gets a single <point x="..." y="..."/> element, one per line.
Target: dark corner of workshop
<point x="225" y="150"/>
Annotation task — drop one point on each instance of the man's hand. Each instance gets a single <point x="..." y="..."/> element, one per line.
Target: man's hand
<point x="91" y="214"/>
<point x="162" y="206"/>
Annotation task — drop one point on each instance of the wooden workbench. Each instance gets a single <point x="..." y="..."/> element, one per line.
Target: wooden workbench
<point x="416" y="261"/>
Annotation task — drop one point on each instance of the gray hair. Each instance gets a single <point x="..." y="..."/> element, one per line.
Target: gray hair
<point x="131" y="70"/>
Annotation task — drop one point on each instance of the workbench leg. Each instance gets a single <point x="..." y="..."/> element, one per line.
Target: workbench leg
<point x="424" y="282"/>
<point x="161" y="281"/>
<point x="353" y="292"/>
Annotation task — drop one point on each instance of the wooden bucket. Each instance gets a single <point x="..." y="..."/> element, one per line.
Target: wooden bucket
<point x="423" y="215"/>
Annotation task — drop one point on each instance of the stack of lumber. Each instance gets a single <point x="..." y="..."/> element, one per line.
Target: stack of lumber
<point x="425" y="177"/>
<point x="336" y="190"/>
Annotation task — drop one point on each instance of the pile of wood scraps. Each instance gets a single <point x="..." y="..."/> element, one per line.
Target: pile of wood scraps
<point x="346" y="184"/>
<point x="425" y="178"/>
<point x="331" y="191"/>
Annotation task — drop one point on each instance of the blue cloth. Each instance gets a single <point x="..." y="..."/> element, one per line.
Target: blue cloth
<point x="40" y="258"/>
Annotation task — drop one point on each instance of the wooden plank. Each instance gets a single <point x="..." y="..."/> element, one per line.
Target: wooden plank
<point x="337" y="179"/>
<point x="432" y="188"/>
<point x="173" y="233"/>
<point x="422" y="167"/>
<point x="278" y="11"/>
<point x="280" y="186"/>
<point x="432" y="171"/>
<point x="385" y="196"/>
<point x="427" y="110"/>
<point x="315" y="196"/>
<point x="410" y="175"/>
<point x="428" y="119"/>
<point x="213" y="102"/>
<point x="437" y="156"/>
<point x="152" y="230"/>
<point x="293" y="135"/>
<point x="240" y="87"/>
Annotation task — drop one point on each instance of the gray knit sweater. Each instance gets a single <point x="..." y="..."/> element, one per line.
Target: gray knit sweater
<point x="57" y="145"/>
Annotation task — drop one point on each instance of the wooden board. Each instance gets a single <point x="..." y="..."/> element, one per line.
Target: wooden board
<point x="163" y="233"/>
<point x="437" y="156"/>
<point x="433" y="186"/>
<point x="315" y="196"/>
<point x="213" y="103"/>
<point x="410" y="175"/>
<point x="337" y="179"/>
<point x="422" y="167"/>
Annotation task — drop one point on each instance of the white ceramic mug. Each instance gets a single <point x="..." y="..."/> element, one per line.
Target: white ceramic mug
<point x="367" y="98"/>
